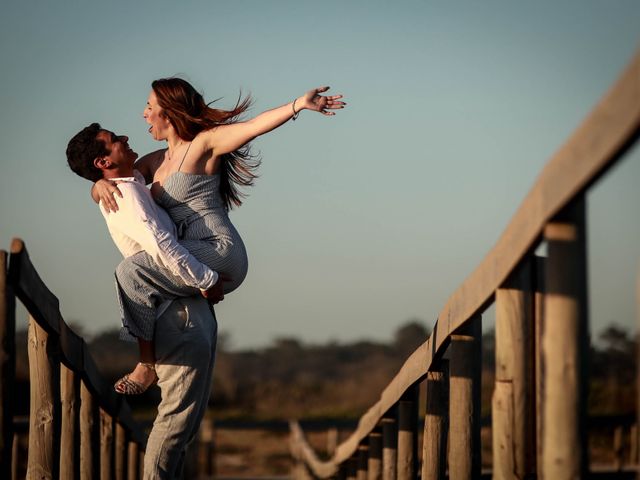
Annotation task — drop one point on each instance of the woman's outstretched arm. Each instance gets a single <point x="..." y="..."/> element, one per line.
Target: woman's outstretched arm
<point x="227" y="138"/>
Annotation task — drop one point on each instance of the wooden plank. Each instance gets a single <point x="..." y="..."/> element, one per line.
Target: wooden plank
<point x="565" y="346"/>
<point x="7" y="367"/>
<point x="141" y="464"/>
<point x="107" y="460"/>
<point x="89" y="435"/>
<point x="15" y="459"/>
<point x="389" y="448"/>
<point x="205" y="447"/>
<point x="502" y="412"/>
<point x="539" y="274"/>
<point x="408" y="434"/>
<point x="332" y="441"/>
<point x="352" y="469"/>
<point x="132" y="460"/>
<point x="618" y="449"/>
<point x="375" y="456"/>
<point x="44" y="410"/>
<point x="436" y="424"/>
<point x="31" y="290"/>
<point x="70" y="432"/>
<point x="515" y="366"/>
<point x="363" y="462"/>
<point x="465" y="363"/>
<point x="120" y="451"/>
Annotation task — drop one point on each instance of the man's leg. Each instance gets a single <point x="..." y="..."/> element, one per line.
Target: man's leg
<point x="184" y="337"/>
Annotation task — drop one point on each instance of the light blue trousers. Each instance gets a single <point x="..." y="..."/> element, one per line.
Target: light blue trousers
<point x="185" y="340"/>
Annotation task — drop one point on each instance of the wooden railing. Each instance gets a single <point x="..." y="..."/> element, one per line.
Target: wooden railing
<point x="79" y="428"/>
<point x="538" y="406"/>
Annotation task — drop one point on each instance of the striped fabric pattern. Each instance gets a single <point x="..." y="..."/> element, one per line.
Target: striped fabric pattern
<point x="193" y="201"/>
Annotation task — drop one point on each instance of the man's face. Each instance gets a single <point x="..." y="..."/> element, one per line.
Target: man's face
<point x="120" y="154"/>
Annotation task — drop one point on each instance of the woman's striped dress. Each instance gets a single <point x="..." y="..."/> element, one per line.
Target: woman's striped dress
<point x="194" y="203"/>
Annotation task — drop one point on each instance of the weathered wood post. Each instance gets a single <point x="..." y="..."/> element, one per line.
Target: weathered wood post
<point x="513" y="411"/>
<point x="7" y="368"/>
<point x="408" y="434"/>
<point x="538" y="316"/>
<point x="205" y="447"/>
<point x="389" y="448"/>
<point x="14" y="456"/>
<point x="70" y="433"/>
<point x="44" y="412"/>
<point x="375" y="456"/>
<point x="141" y="463"/>
<point x="618" y="449"/>
<point x="332" y="441"/>
<point x="132" y="460"/>
<point x="106" y="446"/>
<point x="120" y="452"/>
<point x="633" y="444"/>
<point x="465" y="364"/>
<point x="436" y="424"/>
<point x="89" y="435"/>
<point x="352" y="467"/>
<point x="363" y="457"/>
<point x="565" y="346"/>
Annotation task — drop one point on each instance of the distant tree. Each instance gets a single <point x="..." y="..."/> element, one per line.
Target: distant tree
<point x="410" y="336"/>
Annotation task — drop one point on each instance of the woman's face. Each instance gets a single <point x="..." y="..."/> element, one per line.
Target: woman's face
<point x="159" y="124"/>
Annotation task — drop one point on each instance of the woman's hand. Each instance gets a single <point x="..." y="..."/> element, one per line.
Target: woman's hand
<point x="105" y="191"/>
<point x="312" y="100"/>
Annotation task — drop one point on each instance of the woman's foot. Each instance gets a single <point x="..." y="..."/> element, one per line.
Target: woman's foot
<point x="138" y="381"/>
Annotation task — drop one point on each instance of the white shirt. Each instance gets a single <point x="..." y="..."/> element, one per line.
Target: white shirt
<point x="140" y="224"/>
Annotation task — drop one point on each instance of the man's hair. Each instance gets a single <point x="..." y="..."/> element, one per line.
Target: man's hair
<point x="83" y="149"/>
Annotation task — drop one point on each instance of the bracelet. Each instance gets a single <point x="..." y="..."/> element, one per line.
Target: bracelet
<point x="295" y="114"/>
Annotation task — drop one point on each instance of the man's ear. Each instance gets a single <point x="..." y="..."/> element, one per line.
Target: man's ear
<point x="101" y="163"/>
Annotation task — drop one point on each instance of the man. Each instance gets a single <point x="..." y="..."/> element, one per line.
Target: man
<point x="185" y="329"/>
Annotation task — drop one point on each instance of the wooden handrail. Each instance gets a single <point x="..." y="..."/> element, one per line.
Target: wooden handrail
<point x="603" y="137"/>
<point x="43" y="306"/>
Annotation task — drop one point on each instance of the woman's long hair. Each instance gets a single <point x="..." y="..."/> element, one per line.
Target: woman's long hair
<point x="189" y="114"/>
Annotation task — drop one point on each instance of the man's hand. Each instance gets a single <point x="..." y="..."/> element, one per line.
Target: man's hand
<point x="215" y="293"/>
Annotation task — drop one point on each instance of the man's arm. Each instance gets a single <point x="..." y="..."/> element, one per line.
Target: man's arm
<point x="136" y="218"/>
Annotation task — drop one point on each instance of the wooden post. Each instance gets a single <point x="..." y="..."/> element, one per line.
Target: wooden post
<point x="7" y="368"/>
<point x="106" y="446"/>
<point x="408" y="434"/>
<point x="332" y="441"/>
<point x="434" y="440"/>
<point x="538" y="315"/>
<point x="513" y="411"/>
<point x="389" y="448"/>
<point x="120" y="452"/>
<point x="565" y="346"/>
<point x="374" y="466"/>
<point x="617" y="449"/>
<point x="352" y="468"/>
<point x="70" y="432"/>
<point x="205" y="447"/>
<point x="132" y="460"/>
<point x="465" y="363"/>
<point x="633" y="444"/>
<point x="15" y="459"/>
<point x="141" y="464"/>
<point x="44" y="413"/>
<point x="363" y="457"/>
<point x="89" y="436"/>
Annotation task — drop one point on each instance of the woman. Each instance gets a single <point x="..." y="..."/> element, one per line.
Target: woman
<point x="196" y="180"/>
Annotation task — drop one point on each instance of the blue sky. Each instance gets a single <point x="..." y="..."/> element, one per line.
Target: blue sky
<point x="358" y="222"/>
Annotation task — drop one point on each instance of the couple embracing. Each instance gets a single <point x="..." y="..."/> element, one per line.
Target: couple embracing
<point x="182" y="253"/>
